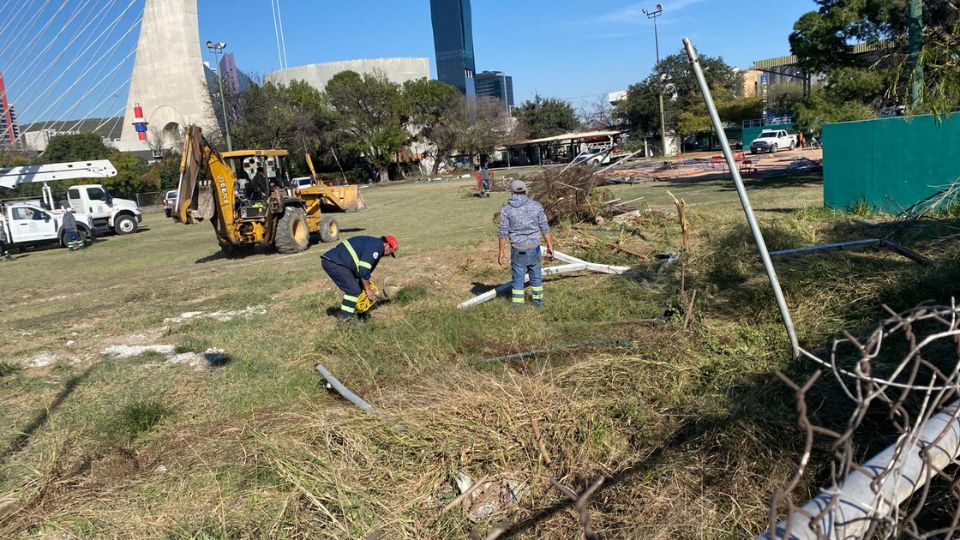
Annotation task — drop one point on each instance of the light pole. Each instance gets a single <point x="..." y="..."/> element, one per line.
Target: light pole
<point x="217" y="50"/>
<point x="656" y="36"/>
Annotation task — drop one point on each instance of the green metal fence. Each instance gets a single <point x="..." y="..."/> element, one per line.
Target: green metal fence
<point x="890" y="163"/>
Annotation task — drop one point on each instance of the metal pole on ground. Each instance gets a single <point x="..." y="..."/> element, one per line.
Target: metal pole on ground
<point x="744" y="199"/>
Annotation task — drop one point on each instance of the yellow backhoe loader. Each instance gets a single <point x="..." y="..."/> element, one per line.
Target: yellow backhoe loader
<point x="282" y="217"/>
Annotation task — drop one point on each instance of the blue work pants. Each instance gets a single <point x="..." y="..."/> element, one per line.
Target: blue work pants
<point x="522" y="262"/>
<point x="347" y="282"/>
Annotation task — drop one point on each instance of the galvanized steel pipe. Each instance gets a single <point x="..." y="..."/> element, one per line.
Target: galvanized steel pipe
<point x="744" y="199"/>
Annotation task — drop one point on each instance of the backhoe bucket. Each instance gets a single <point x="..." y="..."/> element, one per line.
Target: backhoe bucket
<point x="346" y="198"/>
<point x="194" y="199"/>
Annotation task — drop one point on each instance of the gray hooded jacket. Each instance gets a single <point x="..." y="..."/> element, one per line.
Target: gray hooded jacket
<point x="522" y="220"/>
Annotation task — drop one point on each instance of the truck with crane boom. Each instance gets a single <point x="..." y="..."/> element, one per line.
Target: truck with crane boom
<point x="31" y="222"/>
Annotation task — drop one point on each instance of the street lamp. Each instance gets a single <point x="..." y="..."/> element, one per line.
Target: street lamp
<point x="217" y="50"/>
<point x="656" y="35"/>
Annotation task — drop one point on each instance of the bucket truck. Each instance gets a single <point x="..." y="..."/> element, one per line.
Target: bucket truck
<point x="31" y="222"/>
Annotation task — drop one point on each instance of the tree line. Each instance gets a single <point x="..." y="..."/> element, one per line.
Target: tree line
<point x="852" y="86"/>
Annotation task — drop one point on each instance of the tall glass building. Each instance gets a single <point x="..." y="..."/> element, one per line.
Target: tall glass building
<point x="453" y="41"/>
<point x="495" y="84"/>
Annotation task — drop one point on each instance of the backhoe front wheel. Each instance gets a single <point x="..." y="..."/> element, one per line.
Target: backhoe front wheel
<point x="329" y="230"/>
<point x="293" y="234"/>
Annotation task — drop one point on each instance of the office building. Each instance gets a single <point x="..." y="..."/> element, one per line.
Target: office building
<point x="496" y="85"/>
<point x="9" y="126"/>
<point x="9" y="129"/>
<point x="453" y="42"/>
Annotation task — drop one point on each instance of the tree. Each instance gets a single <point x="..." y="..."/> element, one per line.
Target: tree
<point x="164" y="173"/>
<point x="782" y="98"/>
<point x="436" y="115"/>
<point x="366" y="114"/>
<point x="821" y="107"/>
<point x="486" y="126"/>
<point x="823" y="41"/>
<point x="131" y="175"/>
<point x="546" y="117"/>
<point x="76" y="147"/>
<point x="596" y="115"/>
<point x="674" y="77"/>
<point x="291" y="117"/>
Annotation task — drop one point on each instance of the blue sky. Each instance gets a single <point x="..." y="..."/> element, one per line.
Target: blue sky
<point x="561" y="48"/>
<point x="573" y="49"/>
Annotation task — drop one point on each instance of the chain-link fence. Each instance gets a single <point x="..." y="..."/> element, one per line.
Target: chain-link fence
<point x="902" y="384"/>
<point x="150" y="201"/>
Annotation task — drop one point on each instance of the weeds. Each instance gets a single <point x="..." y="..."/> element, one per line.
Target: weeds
<point x="691" y="427"/>
<point x="8" y="368"/>
<point x="190" y="344"/>
<point x="138" y="417"/>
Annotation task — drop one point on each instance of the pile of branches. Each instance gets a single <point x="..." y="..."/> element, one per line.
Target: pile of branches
<point x="571" y="195"/>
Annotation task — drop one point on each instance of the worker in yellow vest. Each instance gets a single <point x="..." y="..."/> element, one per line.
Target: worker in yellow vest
<point x="350" y="265"/>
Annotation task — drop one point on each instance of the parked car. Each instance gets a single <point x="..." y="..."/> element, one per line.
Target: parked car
<point x="301" y="182"/>
<point x="771" y="140"/>
<point x="169" y="202"/>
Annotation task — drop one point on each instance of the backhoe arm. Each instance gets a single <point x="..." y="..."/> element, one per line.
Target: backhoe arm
<point x="206" y="187"/>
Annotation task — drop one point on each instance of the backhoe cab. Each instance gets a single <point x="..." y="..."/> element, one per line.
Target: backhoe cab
<point x="210" y="190"/>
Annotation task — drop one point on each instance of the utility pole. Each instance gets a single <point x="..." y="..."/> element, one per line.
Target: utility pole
<point x="656" y="36"/>
<point x="916" y="46"/>
<point x="217" y="50"/>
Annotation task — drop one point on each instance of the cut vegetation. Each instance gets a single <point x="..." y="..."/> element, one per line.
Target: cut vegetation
<point x="689" y="427"/>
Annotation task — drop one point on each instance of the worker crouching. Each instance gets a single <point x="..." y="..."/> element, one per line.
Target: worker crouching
<point x="350" y="265"/>
<point x="522" y="222"/>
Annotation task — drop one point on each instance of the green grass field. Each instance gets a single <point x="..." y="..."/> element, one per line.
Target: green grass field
<point x="690" y="426"/>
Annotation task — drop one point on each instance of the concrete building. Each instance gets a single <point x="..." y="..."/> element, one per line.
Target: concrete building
<point x="453" y="42"/>
<point x="169" y="80"/>
<point x="496" y="84"/>
<point x="398" y="70"/>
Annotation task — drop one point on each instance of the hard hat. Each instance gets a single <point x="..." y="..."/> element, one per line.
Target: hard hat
<point x="392" y="242"/>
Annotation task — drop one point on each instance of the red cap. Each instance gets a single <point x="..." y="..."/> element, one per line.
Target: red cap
<point x="392" y="242"/>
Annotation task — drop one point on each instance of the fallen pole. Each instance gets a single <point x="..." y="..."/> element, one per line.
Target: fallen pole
<point x="575" y="265"/>
<point x="344" y="392"/>
<point x="872" y="491"/>
<point x="854" y="245"/>
<point x="593" y="267"/>
<point x="744" y="198"/>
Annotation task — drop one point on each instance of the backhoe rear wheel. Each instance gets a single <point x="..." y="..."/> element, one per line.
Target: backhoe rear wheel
<point x="329" y="230"/>
<point x="293" y="235"/>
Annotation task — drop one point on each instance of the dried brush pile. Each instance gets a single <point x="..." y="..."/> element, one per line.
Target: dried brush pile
<point x="571" y="195"/>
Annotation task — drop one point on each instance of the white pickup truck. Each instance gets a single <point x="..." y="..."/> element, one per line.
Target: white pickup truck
<point x="771" y="140"/>
<point x="108" y="213"/>
<point x="26" y="224"/>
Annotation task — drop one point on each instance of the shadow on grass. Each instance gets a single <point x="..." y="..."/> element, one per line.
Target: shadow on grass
<point x="718" y="437"/>
<point x="479" y="288"/>
<point x="774" y="182"/>
<point x="23" y="439"/>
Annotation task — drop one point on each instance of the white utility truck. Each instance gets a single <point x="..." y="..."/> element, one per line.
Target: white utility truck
<point x="108" y="213"/>
<point x="26" y="223"/>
